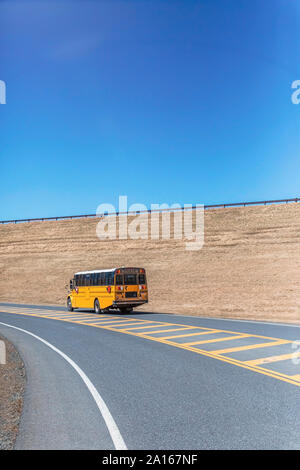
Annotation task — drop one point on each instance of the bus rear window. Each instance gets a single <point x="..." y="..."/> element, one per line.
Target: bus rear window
<point x="119" y="280"/>
<point x="142" y="279"/>
<point x="130" y="279"/>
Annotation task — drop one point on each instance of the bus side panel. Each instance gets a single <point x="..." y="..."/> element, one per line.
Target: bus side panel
<point x="81" y="297"/>
<point x="101" y="293"/>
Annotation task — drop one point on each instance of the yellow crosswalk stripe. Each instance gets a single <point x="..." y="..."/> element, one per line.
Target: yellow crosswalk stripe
<point x="192" y="334"/>
<point x="67" y="315"/>
<point x="295" y="377"/>
<point x="144" y="327"/>
<point x="123" y="326"/>
<point x="215" y="340"/>
<point x="113" y="322"/>
<point x="74" y="318"/>
<point x="129" y="324"/>
<point x="251" y="346"/>
<point x="163" y="331"/>
<point x="269" y="359"/>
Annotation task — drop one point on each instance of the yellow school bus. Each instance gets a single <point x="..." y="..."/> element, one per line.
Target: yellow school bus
<point x="119" y="288"/>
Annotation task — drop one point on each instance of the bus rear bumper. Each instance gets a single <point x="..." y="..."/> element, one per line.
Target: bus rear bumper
<point x="129" y="303"/>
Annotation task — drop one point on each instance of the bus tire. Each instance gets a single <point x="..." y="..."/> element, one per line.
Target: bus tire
<point x="97" y="308"/>
<point x="69" y="305"/>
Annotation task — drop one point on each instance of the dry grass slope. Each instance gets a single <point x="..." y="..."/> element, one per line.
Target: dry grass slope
<point x="248" y="268"/>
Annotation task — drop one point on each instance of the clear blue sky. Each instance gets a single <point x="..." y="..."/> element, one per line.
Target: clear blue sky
<point x="164" y="101"/>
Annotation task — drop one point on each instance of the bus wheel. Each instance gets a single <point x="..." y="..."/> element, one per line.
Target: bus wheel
<point x="69" y="305"/>
<point x="125" y="310"/>
<point x="97" y="306"/>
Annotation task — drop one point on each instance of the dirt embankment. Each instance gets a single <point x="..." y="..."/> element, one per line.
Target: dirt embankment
<point x="12" y="385"/>
<point x="248" y="268"/>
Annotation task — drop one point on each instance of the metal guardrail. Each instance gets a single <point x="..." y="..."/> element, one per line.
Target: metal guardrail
<point x="210" y="206"/>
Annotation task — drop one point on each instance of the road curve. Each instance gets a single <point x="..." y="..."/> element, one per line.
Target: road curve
<point x="169" y="382"/>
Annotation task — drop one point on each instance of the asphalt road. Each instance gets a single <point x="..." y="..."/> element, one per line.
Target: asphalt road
<point x="161" y="392"/>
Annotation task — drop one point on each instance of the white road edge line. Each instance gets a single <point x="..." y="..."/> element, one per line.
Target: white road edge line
<point x="109" y="420"/>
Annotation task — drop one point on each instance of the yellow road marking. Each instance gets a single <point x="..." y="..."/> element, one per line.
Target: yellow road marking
<point x="87" y="319"/>
<point x="252" y="346"/>
<point x="192" y="334"/>
<point x="215" y="340"/>
<point x="105" y="320"/>
<point x="75" y="319"/>
<point x="163" y="331"/>
<point x="273" y="374"/>
<point x="295" y="377"/>
<point x="68" y="316"/>
<point x="113" y="321"/>
<point x="160" y="324"/>
<point x="123" y="326"/>
<point x="113" y="324"/>
<point x="41" y="312"/>
<point x="267" y="360"/>
<point x="294" y="380"/>
<point x="142" y="327"/>
<point x="50" y="314"/>
<point x="96" y="318"/>
<point x="65" y="314"/>
<point x="129" y="324"/>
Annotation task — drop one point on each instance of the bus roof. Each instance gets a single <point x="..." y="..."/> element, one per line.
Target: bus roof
<point x="97" y="271"/>
<point x="112" y="270"/>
